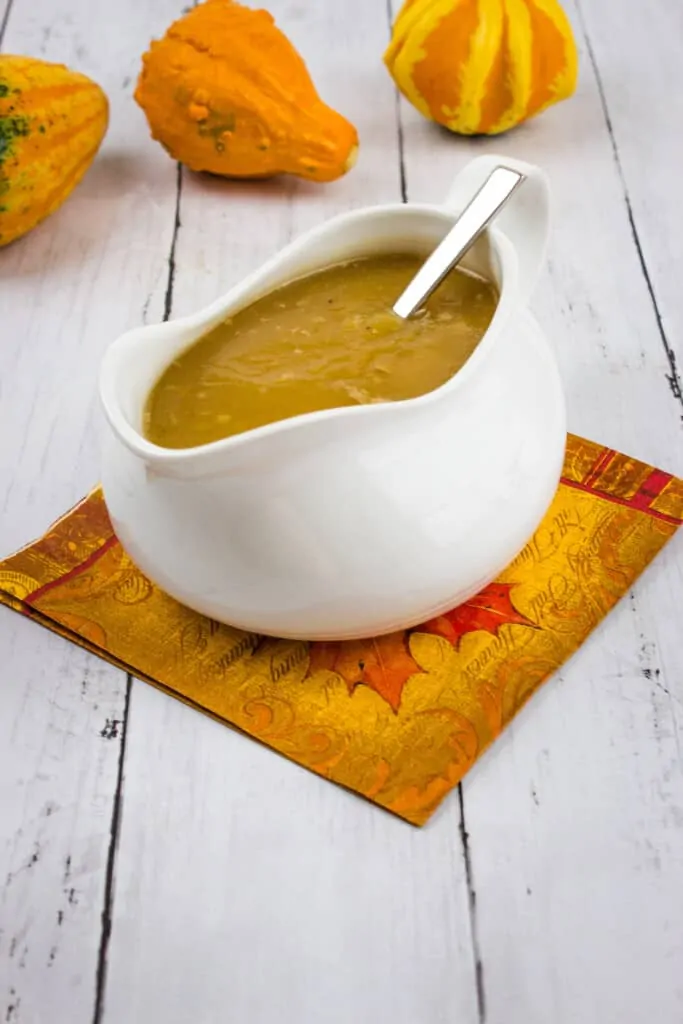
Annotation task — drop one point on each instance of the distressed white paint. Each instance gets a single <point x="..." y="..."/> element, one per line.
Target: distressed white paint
<point x="246" y="889"/>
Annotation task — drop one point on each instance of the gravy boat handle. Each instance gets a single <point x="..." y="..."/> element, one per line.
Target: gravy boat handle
<point x="525" y="220"/>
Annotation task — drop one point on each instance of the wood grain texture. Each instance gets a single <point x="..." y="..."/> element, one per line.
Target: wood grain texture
<point x="243" y="888"/>
<point x="575" y="820"/>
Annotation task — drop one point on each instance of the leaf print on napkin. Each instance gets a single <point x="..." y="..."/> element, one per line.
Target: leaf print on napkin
<point x="384" y="664"/>
<point x="490" y="609"/>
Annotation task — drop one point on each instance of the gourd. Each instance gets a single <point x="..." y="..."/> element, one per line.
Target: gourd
<point x="482" y="66"/>
<point x="225" y="91"/>
<point x="52" y="121"/>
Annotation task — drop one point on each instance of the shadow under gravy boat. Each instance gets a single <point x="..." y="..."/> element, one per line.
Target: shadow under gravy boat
<point x="360" y="520"/>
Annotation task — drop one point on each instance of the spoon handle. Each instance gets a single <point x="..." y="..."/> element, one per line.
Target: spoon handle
<point x="474" y="219"/>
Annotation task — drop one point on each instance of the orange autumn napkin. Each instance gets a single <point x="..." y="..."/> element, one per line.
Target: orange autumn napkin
<point x="398" y="719"/>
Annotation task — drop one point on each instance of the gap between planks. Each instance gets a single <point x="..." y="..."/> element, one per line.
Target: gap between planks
<point x="5" y="19"/>
<point x="673" y="378"/>
<point x="399" y="121"/>
<point x="472" y="906"/>
<point x="117" y="807"/>
<point x="464" y="835"/>
<point x="168" y="297"/>
<point x="114" y="833"/>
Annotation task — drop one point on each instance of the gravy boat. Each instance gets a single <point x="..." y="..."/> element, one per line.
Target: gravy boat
<point x="361" y="520"/>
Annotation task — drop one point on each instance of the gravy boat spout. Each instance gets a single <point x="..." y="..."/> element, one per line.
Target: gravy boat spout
<point x="354" y="521"/>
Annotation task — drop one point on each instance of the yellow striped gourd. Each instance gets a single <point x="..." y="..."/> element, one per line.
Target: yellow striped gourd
<point x="482" y="66"/>
<point x="52" y="122"/>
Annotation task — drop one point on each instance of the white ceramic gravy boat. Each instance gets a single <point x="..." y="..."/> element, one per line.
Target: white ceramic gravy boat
<point x="355" y="521"/>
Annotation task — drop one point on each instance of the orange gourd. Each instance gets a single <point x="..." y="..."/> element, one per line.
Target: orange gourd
<point x="225" y="91"/>
<point x="482" y="66"/>
<point x="52" y="122"/>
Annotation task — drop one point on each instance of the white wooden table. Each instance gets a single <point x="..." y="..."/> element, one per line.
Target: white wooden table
<point x="157" y="866"/>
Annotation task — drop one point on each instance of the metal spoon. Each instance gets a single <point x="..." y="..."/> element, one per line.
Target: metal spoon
<point x="474" y="219"/>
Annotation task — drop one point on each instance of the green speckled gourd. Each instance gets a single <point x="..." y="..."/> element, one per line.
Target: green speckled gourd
<point x="52" y="121"/>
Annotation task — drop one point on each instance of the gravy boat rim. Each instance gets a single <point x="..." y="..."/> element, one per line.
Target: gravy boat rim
<point x="152" y="453"/>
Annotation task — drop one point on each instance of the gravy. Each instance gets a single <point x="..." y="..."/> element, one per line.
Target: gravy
<point x="324" y="341"/>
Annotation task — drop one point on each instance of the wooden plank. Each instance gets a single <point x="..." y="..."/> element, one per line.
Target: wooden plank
<point x="637" y="63"/>
<point x="94" y="268"/>
<point x="243" y="881"/>
<point x="575" y="818"/>
<point x="61" y="717"/>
